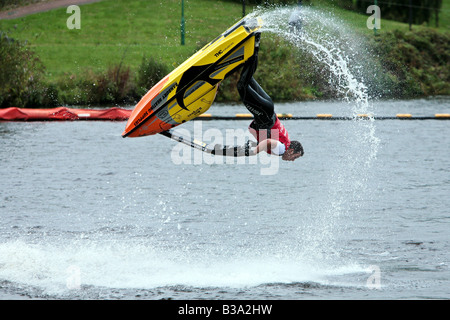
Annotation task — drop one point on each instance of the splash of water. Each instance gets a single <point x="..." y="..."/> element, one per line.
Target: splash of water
<point x="329" y="41"/>
<point x="336" y="48"/>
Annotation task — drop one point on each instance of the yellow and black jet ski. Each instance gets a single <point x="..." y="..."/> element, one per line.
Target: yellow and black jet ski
<point x="190" y="89"/>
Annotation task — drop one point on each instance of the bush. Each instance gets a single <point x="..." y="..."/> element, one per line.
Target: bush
<point x="272" y="2"/>
<point x="415" y="63"/>
<point x="293" y="79"/>
<point x="21" y="73"/>
<point x="115" y="85"/>
<point x="6" y="4"/>
<point x="150" y="72"/>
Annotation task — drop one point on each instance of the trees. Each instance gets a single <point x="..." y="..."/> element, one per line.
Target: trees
<point x="21" y="72"/>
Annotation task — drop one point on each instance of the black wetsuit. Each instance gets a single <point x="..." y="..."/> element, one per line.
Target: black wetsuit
<point x="257" y="102"/>
<point x="255" y="98"/>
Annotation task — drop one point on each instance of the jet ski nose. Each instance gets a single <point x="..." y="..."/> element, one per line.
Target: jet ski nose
<point x="251" y="24"/>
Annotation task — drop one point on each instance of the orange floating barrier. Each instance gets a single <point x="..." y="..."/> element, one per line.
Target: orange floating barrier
<point x="63" y="113"/>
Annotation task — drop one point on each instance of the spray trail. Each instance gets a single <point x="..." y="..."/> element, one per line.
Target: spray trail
<point x="329" y="41"/>
<point x="336" y="48"/>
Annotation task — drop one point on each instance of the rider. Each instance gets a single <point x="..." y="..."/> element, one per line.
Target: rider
<point x="267" y="129"/>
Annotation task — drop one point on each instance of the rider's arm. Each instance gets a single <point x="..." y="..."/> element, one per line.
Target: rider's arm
<point x="242" y="151"/>
<point x="269" y="144"/>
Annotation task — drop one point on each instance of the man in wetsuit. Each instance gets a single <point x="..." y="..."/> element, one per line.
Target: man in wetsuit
<point x="267" y="129"/>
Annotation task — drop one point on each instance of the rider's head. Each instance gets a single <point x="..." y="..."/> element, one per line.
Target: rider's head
<point x="294" y="151"/>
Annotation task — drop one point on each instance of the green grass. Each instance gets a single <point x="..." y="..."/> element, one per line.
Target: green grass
<point x="113" y="30"/>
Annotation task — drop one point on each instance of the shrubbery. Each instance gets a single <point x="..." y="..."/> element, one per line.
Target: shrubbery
<point x="407" y="64"/>
<point x="272" y="2"/>
<point x="21" y="73"/>
<point x="282" y="72"/>
<point x="149" y="74"/>
<point x="115" y="85"/>
<point x="6" y="4"/>
<point x="414" y="63"/>
<point x="403" y="65"/>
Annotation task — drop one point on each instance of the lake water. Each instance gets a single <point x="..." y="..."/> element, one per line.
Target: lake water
<point x="86" y="214"/>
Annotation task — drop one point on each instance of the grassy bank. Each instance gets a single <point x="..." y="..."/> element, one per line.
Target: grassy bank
<point x="122" y="42"/>
<point x="115" y="30"/>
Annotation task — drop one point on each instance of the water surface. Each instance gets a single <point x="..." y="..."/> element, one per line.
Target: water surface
<point x="86" y="214"/>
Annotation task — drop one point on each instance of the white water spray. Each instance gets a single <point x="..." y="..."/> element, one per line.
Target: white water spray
<point x="329" y="41"/>
<point x="335" y="48"/>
